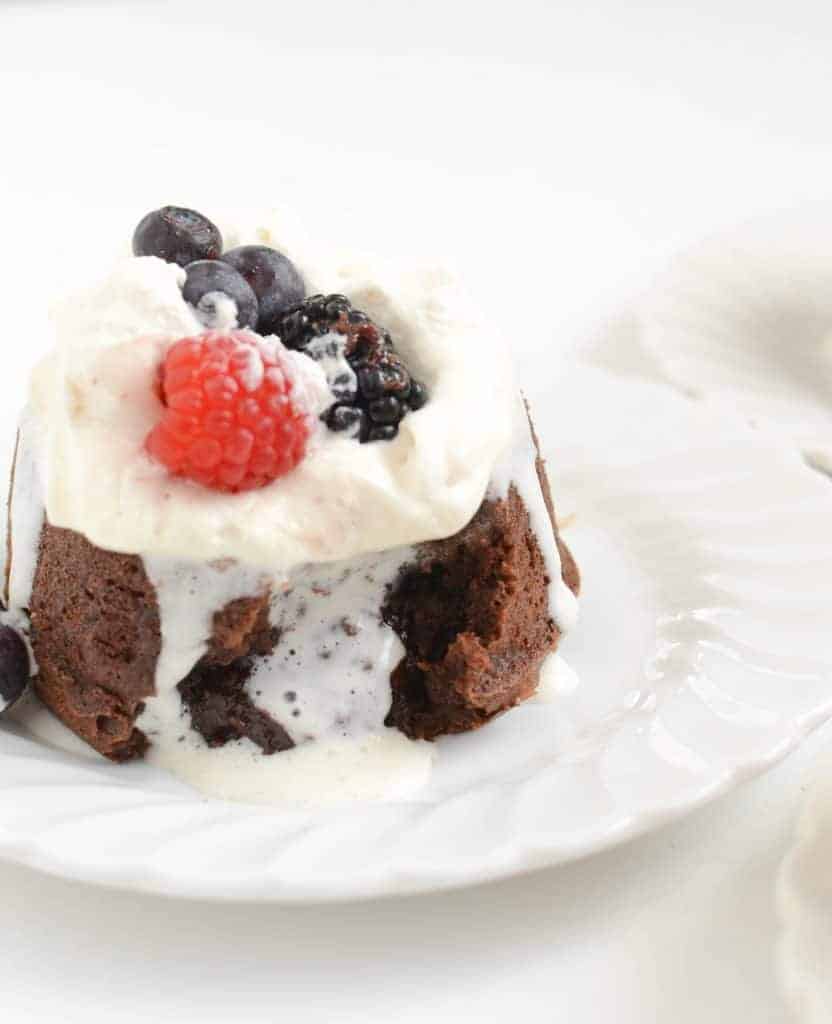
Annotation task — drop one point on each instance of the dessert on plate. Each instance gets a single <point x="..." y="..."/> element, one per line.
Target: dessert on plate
<point x="271" y="513"/>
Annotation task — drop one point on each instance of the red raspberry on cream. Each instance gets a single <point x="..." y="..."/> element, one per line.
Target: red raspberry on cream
<point x="231" y="420"/>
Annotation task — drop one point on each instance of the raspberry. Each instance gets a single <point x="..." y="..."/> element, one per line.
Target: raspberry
<point x="230" y="421"/>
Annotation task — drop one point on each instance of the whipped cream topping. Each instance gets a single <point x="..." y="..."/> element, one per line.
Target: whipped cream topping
<point x="94" y="398"/>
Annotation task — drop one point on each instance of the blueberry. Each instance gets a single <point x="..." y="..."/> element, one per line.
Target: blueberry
<point x="418" y="395"/>
<point x="219" y="295"/>
<point x="14" y="667"/>
<point x="177" y="235"/>
<point x="386" y="410"/>
<point x="273" y="278"/>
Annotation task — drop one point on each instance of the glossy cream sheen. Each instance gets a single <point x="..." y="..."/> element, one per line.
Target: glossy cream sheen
<point x="94" y="398"/>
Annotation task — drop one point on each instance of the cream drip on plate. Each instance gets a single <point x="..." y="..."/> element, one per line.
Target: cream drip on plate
<point x="327" y="681"/>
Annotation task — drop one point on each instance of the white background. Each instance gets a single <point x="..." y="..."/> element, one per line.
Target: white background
<point x="559" y="154"/>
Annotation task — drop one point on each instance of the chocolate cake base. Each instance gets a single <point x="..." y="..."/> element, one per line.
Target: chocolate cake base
<point x="96" y="639"/>
<point x="472" y="612"/>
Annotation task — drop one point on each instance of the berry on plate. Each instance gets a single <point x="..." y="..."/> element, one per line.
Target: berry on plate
<point x="231" y="419"/>
<point x="177" y="235"/>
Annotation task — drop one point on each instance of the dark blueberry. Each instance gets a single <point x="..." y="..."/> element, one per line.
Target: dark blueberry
<point x="383" y="433"/>
<point x="208" y="282"/>
<point x="177" y="235"/>
<point x="273" y="278"/>
<point x="418" y="395"/>
<point x="348" y="419"/>
<point x="385" y="410"/>
<point x="14" y="666"/>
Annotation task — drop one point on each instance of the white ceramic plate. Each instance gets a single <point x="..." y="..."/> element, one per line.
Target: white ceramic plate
<point x="701" y="658"/>
<point x="746" y="317"/>
<point x="805" y="903"/>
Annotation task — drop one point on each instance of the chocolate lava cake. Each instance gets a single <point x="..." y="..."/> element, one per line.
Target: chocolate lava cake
<point x="220" y="499"/>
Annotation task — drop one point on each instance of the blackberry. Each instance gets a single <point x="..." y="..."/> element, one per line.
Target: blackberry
<point x="370" y="383"/>
<point x="347" y="419"/>
<point x="386" y="410"/>
<point x="384" y="432"/>
<point x="372" y="386"/>
<point x="418" y="395"/>
<point x="318" y="315"/>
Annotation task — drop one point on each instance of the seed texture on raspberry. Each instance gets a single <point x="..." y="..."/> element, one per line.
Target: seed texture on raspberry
<point x="231" y="420"/>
